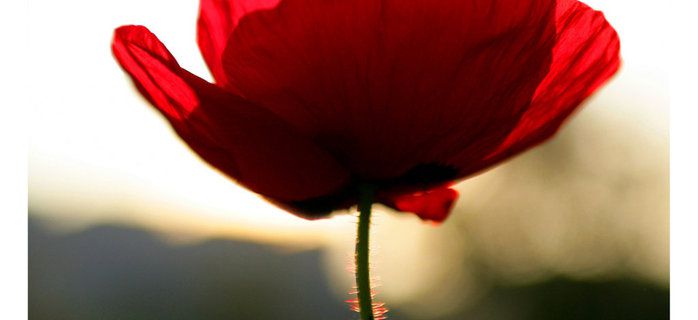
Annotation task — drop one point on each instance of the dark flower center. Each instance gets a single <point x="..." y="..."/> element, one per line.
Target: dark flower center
<point x="420" y="177"/>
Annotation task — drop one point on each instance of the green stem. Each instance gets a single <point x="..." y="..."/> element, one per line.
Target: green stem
<point x="363" y="282"/>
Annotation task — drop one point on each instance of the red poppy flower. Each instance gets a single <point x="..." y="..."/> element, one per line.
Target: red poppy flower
<point x="313" y="98"/>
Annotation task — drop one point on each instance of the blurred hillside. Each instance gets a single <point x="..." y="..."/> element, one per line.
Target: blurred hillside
<point x="119" y="272"/>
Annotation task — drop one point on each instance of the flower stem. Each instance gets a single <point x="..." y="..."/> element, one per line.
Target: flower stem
<point x="363" y="282"/>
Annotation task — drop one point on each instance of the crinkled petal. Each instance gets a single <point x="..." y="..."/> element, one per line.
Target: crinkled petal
<point x="586" y="54"/>
<point x="217" y="19"/>
<point x="246" y="142"/>
<point x="389" y="85"/>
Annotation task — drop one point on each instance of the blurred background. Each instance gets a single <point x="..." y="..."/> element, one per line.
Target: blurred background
<point x="126" y="223"/>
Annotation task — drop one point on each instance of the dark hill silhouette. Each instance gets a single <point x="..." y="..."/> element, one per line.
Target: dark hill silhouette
<point x="118" y="272"/>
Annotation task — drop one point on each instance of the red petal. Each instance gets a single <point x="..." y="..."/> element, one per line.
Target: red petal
<point x="586" y="55"/>
<point x="244" y="141"/>
<point x="217" y="19"/>
<point x="433" y="205"/>
<point x="134" y="47"/>
<point x="388" y="85"/>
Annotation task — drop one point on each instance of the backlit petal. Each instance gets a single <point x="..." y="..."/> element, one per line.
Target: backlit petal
<point x="217" y="19"/>
<point x="432" y="205"/>
<point x="586" y="55"/>
<point x="244" y="141"/>
<point x="389" y="85"/>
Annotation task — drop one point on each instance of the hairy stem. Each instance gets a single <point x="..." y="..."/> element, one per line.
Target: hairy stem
<point x="363" y="282"/>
